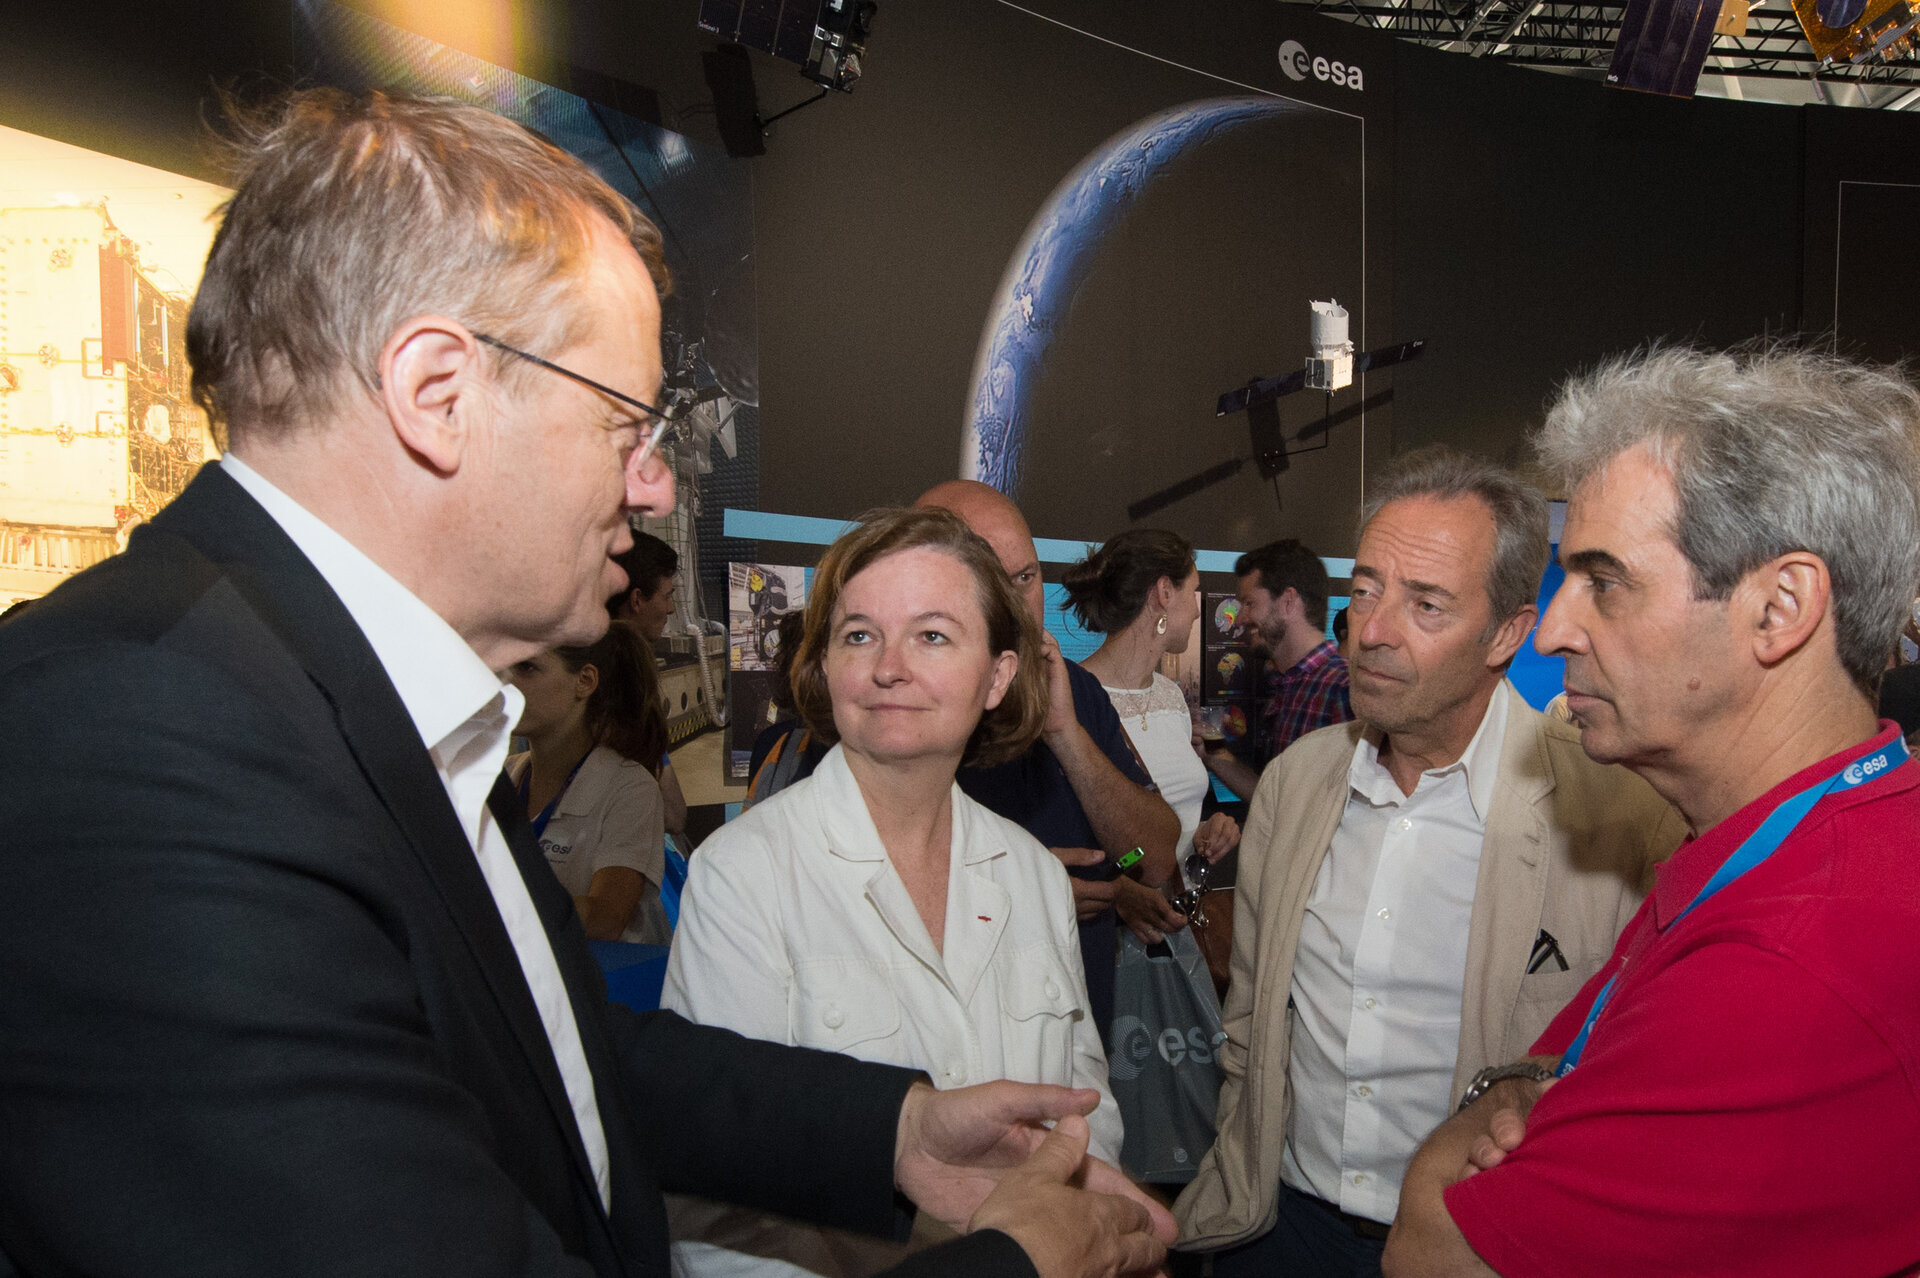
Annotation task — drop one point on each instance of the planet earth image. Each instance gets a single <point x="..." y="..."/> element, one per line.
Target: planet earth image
<point x="1230" y="666"/>
<point x="1053" y="259"/>
<point x="1226" y="617"/>
<point x="1233" y="724"/>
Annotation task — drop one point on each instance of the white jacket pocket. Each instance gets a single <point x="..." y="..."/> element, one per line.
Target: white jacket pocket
<point x="1037" y="983"/>
<point x="836" y="1004"/>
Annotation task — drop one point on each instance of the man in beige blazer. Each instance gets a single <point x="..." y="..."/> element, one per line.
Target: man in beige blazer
<point x="1420" y="890"/>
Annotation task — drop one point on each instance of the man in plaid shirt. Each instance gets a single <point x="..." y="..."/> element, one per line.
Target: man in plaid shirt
<point x="1283" y="604"/>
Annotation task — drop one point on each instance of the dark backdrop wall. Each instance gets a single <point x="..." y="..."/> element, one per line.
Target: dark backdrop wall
<point x="887" y="219"/>
<point x="1542" y="222"/>
<point x="1862" y="202"/>
<point x="1524" y="224"/>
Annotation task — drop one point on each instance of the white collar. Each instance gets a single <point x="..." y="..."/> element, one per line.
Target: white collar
<point x="849" y="827"/>
<point x="1480" y="761"/>
<point x="447" y="689"/>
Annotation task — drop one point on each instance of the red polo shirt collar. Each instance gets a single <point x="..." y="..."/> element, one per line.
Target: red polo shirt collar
<point x="1680" y="879"/>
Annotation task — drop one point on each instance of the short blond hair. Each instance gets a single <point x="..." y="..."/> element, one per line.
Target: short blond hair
<point x="352" y="214"/>
<point x="1004" y="732"/>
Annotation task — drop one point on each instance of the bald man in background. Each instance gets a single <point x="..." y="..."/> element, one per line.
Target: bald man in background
<point x="1080" y="790"/>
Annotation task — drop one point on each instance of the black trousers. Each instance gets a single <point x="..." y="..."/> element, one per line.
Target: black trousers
<point x="1308" y="1241"/>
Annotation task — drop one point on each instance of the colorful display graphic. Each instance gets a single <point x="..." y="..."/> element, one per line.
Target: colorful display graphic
<point x="1229" y="665"/>
<point x="99" y="258"/>
<point x="758" y="595"/>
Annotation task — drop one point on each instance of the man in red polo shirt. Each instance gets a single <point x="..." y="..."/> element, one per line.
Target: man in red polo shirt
<point x="1738" y="1091"/>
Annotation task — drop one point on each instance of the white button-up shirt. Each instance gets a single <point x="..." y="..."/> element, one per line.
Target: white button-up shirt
<point x="1378" y="976"/>
<point x="465" y="715"/>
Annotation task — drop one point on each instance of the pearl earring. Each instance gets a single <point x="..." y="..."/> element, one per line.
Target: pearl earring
<point x="1160" y="626"/>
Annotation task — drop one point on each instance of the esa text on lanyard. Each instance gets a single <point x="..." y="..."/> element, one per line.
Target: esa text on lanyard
<point x="1759" y="845"/>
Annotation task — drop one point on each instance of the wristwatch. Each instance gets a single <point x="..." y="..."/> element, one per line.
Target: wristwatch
<point x="1483" y="1082"/>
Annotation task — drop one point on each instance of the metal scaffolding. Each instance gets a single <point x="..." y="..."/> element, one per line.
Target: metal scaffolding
<point x="1578" y="38"/>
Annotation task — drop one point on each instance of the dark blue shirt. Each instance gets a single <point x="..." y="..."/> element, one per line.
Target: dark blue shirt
<point x="1033" y="792"/>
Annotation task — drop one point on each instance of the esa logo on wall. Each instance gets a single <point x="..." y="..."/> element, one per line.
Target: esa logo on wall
<point x="1298" y="65"/>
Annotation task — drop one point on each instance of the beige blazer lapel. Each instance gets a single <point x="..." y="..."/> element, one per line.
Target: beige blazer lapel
<point x="1509" y="895"/>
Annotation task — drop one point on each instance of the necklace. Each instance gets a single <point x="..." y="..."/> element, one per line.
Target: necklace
<point x="1124" y="696"/>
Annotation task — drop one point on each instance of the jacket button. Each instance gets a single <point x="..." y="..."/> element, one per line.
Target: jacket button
<point x="1052" y="990"/>
<point x="833" y="1018"/>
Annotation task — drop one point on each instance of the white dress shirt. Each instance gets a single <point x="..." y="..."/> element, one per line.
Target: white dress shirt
<point x="795" y="927"/>
<point x="465" y="715"/>
<point x="1379" y="973"/>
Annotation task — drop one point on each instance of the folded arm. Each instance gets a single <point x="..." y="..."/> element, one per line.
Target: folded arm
<point x="1425" y="1242"/>
<point x="1663" y="1150"/>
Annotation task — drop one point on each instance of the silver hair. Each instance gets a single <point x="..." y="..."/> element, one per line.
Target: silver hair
<point x="1519" y="517"/>
<point x="1772" y="449"/>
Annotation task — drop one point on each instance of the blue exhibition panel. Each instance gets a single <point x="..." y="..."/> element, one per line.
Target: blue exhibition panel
<point x="1539" y="678"/>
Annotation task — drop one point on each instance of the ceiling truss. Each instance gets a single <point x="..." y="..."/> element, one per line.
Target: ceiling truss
<point x="1579" y="37"/>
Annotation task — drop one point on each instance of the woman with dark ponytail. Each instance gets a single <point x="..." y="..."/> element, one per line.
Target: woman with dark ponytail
<point x="590" y="780"/>
<point x="1141" y="590"/>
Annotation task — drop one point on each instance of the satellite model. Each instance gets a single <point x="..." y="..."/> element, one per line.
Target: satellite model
<point x="1330" y="368"/>
<point x="1858" y="31"/>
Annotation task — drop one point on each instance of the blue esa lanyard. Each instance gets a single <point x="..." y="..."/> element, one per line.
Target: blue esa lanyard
<point x="539" y="823"/>
<point x="1759" y="845"/>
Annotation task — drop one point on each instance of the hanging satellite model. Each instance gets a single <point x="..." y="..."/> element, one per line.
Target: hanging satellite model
<point x="1858" y="31"/>
<point x="1330" y="368"/>
<point x="826" y="38"/>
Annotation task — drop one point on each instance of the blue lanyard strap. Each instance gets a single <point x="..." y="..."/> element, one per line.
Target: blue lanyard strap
<point x="539" y="823"/>
<point x="1756" y="848"/>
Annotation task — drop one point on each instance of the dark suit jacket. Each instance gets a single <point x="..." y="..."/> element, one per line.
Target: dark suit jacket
<point x="258" y="1012"/>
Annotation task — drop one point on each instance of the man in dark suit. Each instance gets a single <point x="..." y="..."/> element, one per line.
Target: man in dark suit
<point x="285" y="986"/>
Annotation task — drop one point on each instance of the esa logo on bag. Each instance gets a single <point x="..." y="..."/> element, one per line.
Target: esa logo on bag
<point x="1134" y="1044"/>
<point x="1298" y="64"/>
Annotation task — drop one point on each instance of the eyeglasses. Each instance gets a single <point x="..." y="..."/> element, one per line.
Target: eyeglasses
<point x="663" y="419"/>
<point x="1199" y="869"/>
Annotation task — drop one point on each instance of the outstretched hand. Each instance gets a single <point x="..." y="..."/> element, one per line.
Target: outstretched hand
<point x="1068" y="1232"/>
<point x="956" y="1149"/>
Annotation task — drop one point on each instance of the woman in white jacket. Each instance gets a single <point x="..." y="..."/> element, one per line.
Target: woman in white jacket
<point x="873" y="908"/>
